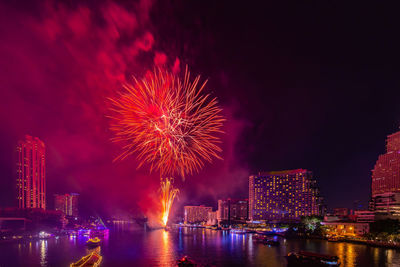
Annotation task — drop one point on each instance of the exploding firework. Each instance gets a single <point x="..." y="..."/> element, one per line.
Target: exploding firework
<point x="168" y="123"/>
<point x="168" y="194"/>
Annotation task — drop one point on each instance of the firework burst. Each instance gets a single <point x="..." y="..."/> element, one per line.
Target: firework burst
<point x="168" y="123"/>
<point x="168" y="194"/>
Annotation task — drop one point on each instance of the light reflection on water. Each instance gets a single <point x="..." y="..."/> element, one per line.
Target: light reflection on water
<point x="163" y="248"/>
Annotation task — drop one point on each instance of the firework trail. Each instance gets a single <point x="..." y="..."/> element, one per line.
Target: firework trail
<point x="168" y="123"/>
<point x="168" y="194"/>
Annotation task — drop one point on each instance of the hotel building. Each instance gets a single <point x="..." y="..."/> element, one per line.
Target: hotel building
<point x="196" y="214"/>
<point x="385" y="185"/>
<point x="67" y="203"/>
<point x="283" y="195"/>
<point x="31" y="173"/>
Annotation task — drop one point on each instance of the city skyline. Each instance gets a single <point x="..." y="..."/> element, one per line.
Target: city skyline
<point x="285" y="110"/>
<point x="392" y="145"/>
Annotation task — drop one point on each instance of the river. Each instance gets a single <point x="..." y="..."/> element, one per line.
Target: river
<point x="163" y="248"/>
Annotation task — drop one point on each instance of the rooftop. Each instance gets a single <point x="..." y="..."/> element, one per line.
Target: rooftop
<point x="284" y="172"/>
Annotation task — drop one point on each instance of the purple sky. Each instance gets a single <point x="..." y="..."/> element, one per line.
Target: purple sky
<point x="313" y="88"/>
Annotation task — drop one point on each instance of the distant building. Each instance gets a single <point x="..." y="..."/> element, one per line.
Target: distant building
<point x="67" y="203"/>
<point x="341" y="212"/>
<point x="364" y="216"/>
<point x="386" y="173"/>
<point x="31" y="173"/>
<point x="212" y="218"/>
<point x="283" y="195"/>
<point x="347" y="228"/>
<point x="232" y="210"/>
<point x="196" y="214"/>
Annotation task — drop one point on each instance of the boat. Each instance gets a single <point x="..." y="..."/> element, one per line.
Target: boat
<point x="334" y="239"/>
<point x="238" y="231"/>
<point x="185" y="261"/>
<point x="93" y="242"/>
<point x="91" y="260"/>
<point x="305" y="258"/>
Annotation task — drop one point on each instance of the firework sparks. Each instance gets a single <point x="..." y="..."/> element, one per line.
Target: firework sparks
<point x="168" y="194"/>
<point x="168" y="123"/>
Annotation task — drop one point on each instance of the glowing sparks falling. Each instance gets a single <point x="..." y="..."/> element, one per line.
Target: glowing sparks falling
<point x="168" y="123"/>
<point x="168" y="194"/>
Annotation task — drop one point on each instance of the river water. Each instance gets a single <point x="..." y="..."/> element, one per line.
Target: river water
<point x="162" y="248"/>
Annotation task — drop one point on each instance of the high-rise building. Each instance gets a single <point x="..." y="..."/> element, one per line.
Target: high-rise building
<point x="67" y="203"/>
<point x="196" y="214"/>
<point x="283" y="195"/>
<point x="31" y="173"/>
<point x="232" y="210"/>
<point x="386" y="173"/>
<point x="385" y="187"/>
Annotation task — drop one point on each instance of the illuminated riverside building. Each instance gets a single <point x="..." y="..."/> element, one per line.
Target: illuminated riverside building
<point x="31" y="173"/>
<point x="386" y="180"/>
<point x="386" y="173"/>
<point x="67" y="203"/>
<point x="283" y="195"/>
<point x="196" y="214"/>
<point x="232" y="209"/>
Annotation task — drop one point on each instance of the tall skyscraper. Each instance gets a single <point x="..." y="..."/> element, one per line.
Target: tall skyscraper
<point x="67" y="203"/>
<point x="386" y="173"/>
<point x="283" y="195"/>
<point x="31" y="173"/>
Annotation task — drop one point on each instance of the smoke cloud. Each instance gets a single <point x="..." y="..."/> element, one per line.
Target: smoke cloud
<point x="60" y="63"/>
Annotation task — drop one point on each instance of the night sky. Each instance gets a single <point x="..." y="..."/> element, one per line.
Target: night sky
<point x="302" y="86"/>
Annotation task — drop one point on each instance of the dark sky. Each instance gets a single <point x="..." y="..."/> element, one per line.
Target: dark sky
<point x="302" y="86"/>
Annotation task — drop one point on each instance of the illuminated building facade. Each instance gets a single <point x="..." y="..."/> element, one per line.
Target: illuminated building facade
<point x="365" y="216"/>
<point x="196" y="214"/>
<point x="386" y="173"/>
<point x="385" y="185"/>
<point x="347" y="228"/>
<point x="386" y="205"/>
<point x="31" y="173"/>
<point x="232" y="209"/>
<point x="283" y="195"/>
<point x="67" y="203"/>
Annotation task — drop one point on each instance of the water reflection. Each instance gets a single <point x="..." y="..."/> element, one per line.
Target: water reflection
<point x="167" y="257"/>
<point x="206" y="247"/>
<point x="43" y="252"/>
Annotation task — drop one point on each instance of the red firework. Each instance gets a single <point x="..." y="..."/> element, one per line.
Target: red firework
<point x="168" y="123"/>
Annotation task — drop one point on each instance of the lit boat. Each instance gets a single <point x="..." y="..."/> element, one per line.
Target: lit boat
<point x="92" y="260"/>
<point x="44" y="235"/>
<point x="304" y="258"/>
<point x="334" y="239"/>
<point x="185" y="261"/>
<point x="93" y="242"/>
